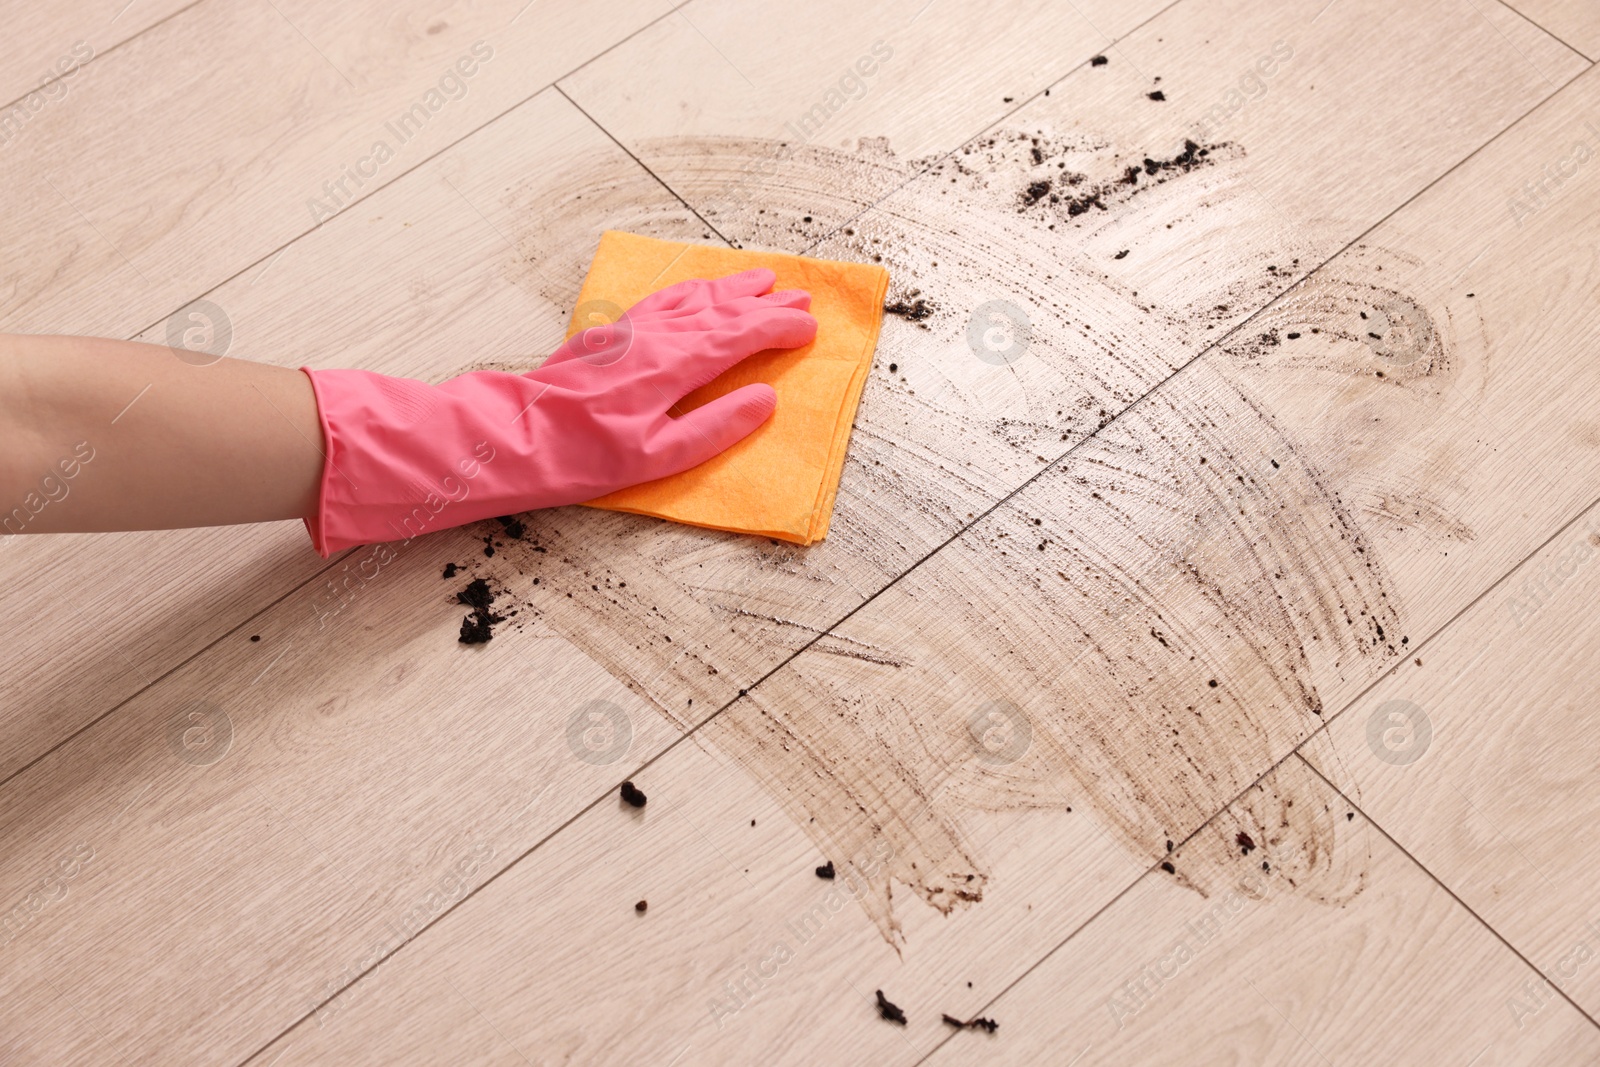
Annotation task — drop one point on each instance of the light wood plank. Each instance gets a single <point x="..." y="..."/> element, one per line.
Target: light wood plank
<point x="926" y="80"/>
<point x="712" y="129"/>
<point x="1331" y="501"/>
<point x="47" y="43"/>
<point x="153" y="182"/>
<point x="92" y="618"/>
<point x="324" y="753"/>
<point x="972" y="436"/>
<point x="367" y="652"/>
<point x="1400" y="973"/>
<point x="224" y="133"/>
<point x="945" y="433"/>
<point x="1574" y="21"/>
<point x="1479" y="760"/>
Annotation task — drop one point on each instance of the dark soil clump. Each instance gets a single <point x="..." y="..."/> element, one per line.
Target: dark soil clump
<point x="888" y="1010"/>
<point x="826" y="872"/>
<point x="980" y="1023"/>
<point x="478" y="627"/>
<point x="913" y="308"/>
<point x="633" y="795"/>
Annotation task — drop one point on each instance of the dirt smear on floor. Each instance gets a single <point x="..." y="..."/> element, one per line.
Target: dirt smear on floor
<point x="1135" y="637"/>
<point x="1138" y="635"/>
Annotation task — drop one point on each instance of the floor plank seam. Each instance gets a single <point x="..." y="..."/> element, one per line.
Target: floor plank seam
<point x="1295" y="752"/>
<point x="961" y="531"/>
<point x="665" y="185"/>
<point x="643" y="166"/>
<point x="1517" y="11"/>
<point x="112" y="48"/>
<point x="1469" y="909"/>
<point x="412" y="169"/>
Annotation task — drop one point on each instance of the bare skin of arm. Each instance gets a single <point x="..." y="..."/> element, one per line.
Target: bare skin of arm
<point x="173" y="445"/>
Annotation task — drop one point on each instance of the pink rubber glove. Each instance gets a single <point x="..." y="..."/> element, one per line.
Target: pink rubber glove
<point x="406" y="458"/>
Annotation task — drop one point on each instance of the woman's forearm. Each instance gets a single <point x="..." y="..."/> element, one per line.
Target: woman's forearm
<point x="116" y="435"/>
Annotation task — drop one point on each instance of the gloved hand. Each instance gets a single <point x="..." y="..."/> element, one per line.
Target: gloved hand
<point x="406" y="458"/>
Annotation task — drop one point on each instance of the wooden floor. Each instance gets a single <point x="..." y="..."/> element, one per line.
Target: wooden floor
<point x="1197" y="670"/>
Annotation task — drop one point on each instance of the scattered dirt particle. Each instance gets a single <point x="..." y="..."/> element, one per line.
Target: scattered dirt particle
<point x="888" y="1010"/>
<point x="1120" y="254"/>
<point x="257" y="637"/>
<point x="1098" y="61"/>
<point x="1168" y="867"/>
<point x="1158" y="95"/>
<point x="632" y="795"/>
<point x="1035" y="192"/>
<point x="978" y="1023"/>
<point x="641" y="906"/>
<point x="450" y="570"/>
<point x="826" y="872"/>
<point x="1245" y="842"/>
<point x="512" y="526"/>
<point x="913" y="309"/>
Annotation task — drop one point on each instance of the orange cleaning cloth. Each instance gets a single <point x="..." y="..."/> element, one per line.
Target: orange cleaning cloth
<point x="781" y="480"/>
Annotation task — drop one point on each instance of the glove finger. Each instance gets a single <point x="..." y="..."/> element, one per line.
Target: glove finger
<point x="669" y="299"/>
<point x="733" y="287"/>
<point x="692" y="438"/>
<point x="772" y="328"/>
<point x="789" y="298"/>
<point x="600" y="345"/>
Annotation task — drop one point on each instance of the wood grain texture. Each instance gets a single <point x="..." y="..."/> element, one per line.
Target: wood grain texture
<point x="47" y="43"/>
<point x="368" y="651"/>
<point x="1114" y="299"/>
<point x="373" y="779"/>
<point x="91" y="619"/>
<point x="888" y="745"/>
<point x="939" y="74"/>
<point x="1478" y="762"/>
<point x="421" y="284"/>
<point x="1574" y="21"/>
<point x="222" y="134"/>
<point x="1402" y="974"/>
<point x="1348" y="60"/>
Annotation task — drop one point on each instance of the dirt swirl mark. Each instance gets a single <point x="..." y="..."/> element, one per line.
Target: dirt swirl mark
<point x="1136" y="636"/>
